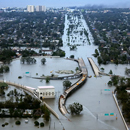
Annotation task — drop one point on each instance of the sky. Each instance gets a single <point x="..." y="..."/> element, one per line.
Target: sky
<point x="63" y="3"/>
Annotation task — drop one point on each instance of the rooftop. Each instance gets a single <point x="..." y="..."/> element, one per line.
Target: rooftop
<point x="42" y="87"/>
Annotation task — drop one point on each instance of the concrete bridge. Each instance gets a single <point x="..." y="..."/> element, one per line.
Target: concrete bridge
<point x="74" y="87"/>
<point x="94" y="67"/>
<point x="51" y="110"/>
<point x="18" y="86"/>
<point x="97" y="71"/>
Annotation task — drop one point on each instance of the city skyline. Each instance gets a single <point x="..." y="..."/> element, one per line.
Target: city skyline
<point x="63" y="3"/>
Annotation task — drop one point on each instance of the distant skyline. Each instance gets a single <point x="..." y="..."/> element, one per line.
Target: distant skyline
<point x="63" y="3"/>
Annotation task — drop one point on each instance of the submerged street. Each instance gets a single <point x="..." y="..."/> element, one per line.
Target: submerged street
<point x="96" y="102"/>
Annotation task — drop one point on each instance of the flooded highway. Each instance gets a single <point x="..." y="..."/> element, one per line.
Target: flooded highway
<point x="96" y="102"/>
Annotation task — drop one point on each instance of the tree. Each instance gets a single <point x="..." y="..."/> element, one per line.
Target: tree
<point x="99" y="60"/>
<point x="96" y="52"/>
<point x="116" y="61"/>
<point x="28" y="60"/>
<point x="115" y="80"/>
<point x="19" y="77"/>
<point x="1" y="69"/>
<point x="47" y="79"/>
<point x="66" y="84"/>
<point x="127" y="71"/>
<point x="11" y="110"/>
<point x="109" y="83"/>
<point x="16" y="114"/>
<point x="59" y="52"/>
<point x="35" y="104"/>
<point x="6" y="55"/>
<point x="72" y="56"/>
<point x="40" y="51"/>
<point x="110" y="72"/>
<point x="15" y="92"/>
<point x="73" y="47"/>
<point x="2" y="87"/>
<point x="36" y="123"/>
<point x="17" y="122"/>
<point x="102" y="69"/>
<point x="42" y="124"/>
<point x="6" y="68"/>
<point x="52" y="75"/>
<point x="122" y="81"/>
<point x="43" y="60"/>
<point x="75" y="108"/>
<point x="46" y="112"/>
<point x="76" y="69"/>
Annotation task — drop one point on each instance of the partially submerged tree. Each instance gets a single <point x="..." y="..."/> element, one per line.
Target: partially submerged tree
<point x="75" y="108"/>
<point x="17" y="122"/>
<point x="43" y="60"/>
<point x="72" y="56"/>
<point x="102" y="69"/>
<point x="66" y="84"/>
<point x="36" y="123"/>
<point x="28" y="60"/>
<point x="110" y="72"/>
<point x="46" y="112"/>
<point x="47" y="79"/>
<point x="109" y="83"/>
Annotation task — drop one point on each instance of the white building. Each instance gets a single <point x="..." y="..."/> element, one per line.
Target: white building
<point x="44" y="8"/>
<point x="30" y="8"/>
<point x="38" y="8"/>
<point x="45" y="92"/>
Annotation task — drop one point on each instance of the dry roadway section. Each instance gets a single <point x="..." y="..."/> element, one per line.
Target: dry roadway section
<point x="94" y="67"/>
<point x="75" y="86"/>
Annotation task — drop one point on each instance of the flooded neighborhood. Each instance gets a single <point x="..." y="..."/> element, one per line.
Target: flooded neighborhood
<point x="95" y="95"/>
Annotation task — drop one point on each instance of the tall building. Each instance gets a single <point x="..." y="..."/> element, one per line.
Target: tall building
<point x="44" y="8"/>
<point x="30" y="8"/>
<point x="38" y="8"/>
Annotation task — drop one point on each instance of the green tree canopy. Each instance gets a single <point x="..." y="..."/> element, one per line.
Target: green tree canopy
<point x="43" y="60"/>
<point x="66" y="84"/>
<point x="17" y="122"/>
<point x="76" y="108"/>
<point x="36" y="123"/>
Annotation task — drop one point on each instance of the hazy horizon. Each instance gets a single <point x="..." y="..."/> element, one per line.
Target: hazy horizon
<point x="63" y="3"/>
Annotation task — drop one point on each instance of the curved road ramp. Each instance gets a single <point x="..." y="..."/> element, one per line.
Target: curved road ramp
<point x="74" y="87"/>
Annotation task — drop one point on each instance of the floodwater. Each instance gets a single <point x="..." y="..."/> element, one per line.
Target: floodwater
<point x="96" y="102"/>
